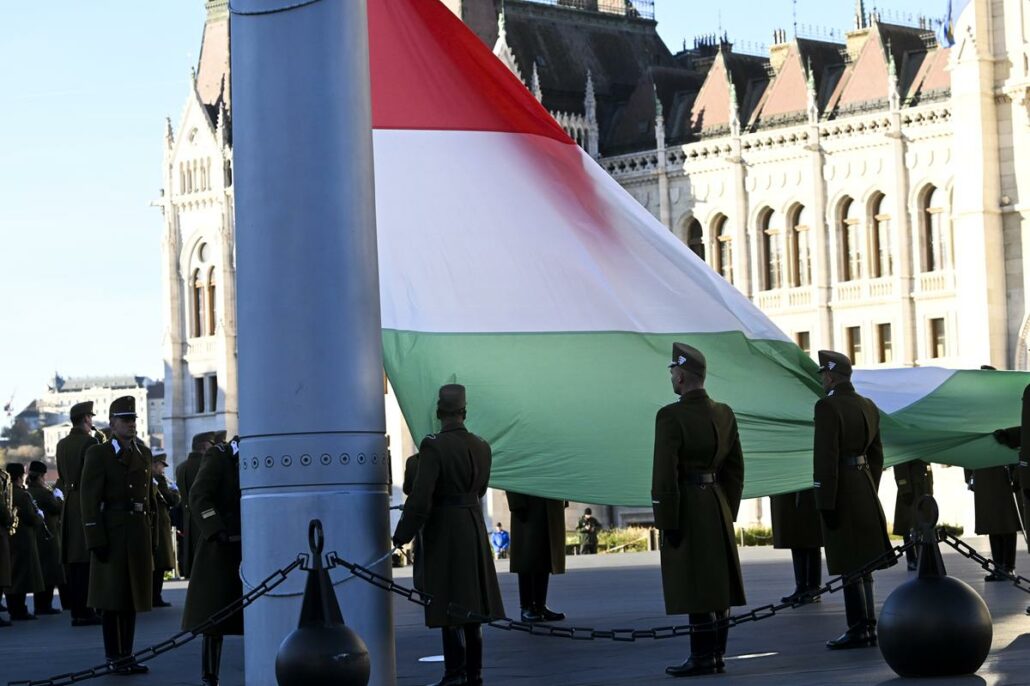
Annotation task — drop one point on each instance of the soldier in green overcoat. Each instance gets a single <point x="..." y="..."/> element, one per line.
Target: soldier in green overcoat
<point x="696" y="486"/>
<point x="28" y="571"/>
<point x="6" y="526"/>
<point x="795" y="525"/>
<point x="537" y="551"/>
<point x="71" y="452"/>
<point x="215" y="577"/>
<point x="847" y="464"/>
<point x="996" y="513"/>
<point x="165" y="497"/>
<point x="185" y="475"/>
<point x="48" y="539"/>
<point x="116" y="485"/>
<point x="914" y="479"/>
<point x="455" y="564"/>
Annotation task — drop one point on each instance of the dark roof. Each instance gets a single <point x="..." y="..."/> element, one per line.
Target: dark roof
<point x="156" y="390"/>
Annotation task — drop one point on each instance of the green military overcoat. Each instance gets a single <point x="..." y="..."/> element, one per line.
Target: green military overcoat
<point x="795" y="520"/>
<point x="855" y="528"/>
<point x="116" y="485"/>
<point x="914" y="480"/>
<point x="71" y="452"/>
<point x="185" y="475"/>
<point x="48" y="538"/>
<point x="537" y="534"/>
<point x="444" y="512"/>
<point x="994" y="502"/>
<point x="215" y="576"/>
<point x="698" y="436"/>
<point x="165" y="498"/>
<point x="27" y="576"/>
<point x="6" y="522"/>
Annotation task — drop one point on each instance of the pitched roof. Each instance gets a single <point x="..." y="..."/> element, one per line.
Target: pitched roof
<point x="926" y="76"/>
<point x="212" y="80"/>
<point x="711" y="108"/>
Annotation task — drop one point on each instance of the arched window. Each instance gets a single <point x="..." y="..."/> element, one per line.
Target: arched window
<point x="799" y="226"/>
<point x="211" y="302"/>
<point x="936" y="230"/>
<point x="723" y="247"/>
<point x="772" y="251"/>
<point x="695" y="238"/>
<point x="881" y="263"/>
<point x="850" y="234"/>
<point x="198" y="305"/>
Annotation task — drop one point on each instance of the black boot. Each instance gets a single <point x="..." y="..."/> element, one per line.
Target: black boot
<point x="127" y="636"/>
<point x="857" y="635"/>
<point x="814" y="572"/>
<point x="540" y="583"/>
<point x="474" y="654"/>
<point x="702" y="650"/>
<point x="453" y="657"/>
<point x="911" y="556"/>
<point x="157" y="585"/>
<point x="722" y="634"/>
<point x="870" y="608"/>
<point x="43" y="603"/>
<point x="799" y="559"/>
<point x="211" y="659"/>
<point x="112" y="643"/>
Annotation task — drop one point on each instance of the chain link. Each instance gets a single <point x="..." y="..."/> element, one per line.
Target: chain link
<point x="305" y="567"/>
<point x="967" y="551"/>
<point x="621" y="635"/>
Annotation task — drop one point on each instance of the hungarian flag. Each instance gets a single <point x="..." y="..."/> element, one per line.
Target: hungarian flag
<point x="510" y="262"/>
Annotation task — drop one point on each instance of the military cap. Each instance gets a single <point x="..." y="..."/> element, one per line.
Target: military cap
<point x="124" y="407"/>
<point x="988" y="368"/>
<point x="452" y="398"/>
<point x="37" y="467"/>
<point x="219" y="436"/>
<point x="203" y="437"/>
<point x="831" y="361"/>
<point x="160" y="458"/>
<point x="15" y="469"/>
<point x="588" y="511"/>
<point x="80" y="410"/>
<point x="690" y="358"/>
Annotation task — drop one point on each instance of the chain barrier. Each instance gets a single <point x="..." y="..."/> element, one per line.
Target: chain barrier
<point x="628" y="635"/>
<point x="989" y="565"/>
<point x="296" y="594"/>
<point x="178" y="640"/>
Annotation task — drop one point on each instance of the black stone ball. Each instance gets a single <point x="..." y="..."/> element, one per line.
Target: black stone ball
<point x="935" y="626"/>
<point x="322" y="656"/>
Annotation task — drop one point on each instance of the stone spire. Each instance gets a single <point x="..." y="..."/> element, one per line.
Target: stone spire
<point x="893" y="95"/>
<point x="534" y="85"/>
<point x="812" y="96"/>
<point x="169" y="133"/>
<point x="659" y="121"/>
<point x="860" y="15"/>
<point x="590" y="113"/>
<point x="501" y="48"/>
<point x="734" y="109"/>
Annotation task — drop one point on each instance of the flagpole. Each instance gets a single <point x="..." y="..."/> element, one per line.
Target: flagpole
<point x="310" y="348"/>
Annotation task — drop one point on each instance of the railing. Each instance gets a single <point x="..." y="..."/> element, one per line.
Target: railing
<point x="861" y="290"/>
<point x="935" y="282"/>
<point x="785" y="299"/>
<point x="203" y="346"/>
<point x="643" y="9"/>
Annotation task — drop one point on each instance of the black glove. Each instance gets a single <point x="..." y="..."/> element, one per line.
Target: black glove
<point x="672" y="537"/>
<point x="829" y="518"/>
<point x="221" y="537"/>
<point x="100" y="553"/>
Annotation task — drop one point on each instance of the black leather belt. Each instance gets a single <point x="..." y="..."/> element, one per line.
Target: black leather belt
<point x="135" y="508"/>
<point x="857" y="461"/>
<point x="459" y="500"/>
<point x="700" y="478"/>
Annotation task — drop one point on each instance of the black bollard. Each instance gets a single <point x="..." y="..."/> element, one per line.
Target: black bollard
<point x="934" y="625"/>
<point x="322" y="650"/>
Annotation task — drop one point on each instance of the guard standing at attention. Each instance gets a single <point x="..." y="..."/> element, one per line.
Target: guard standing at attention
<point x="48" y="539"/>
<point x="537" y="551"/>
<point x="796" y="525"/>
<point x="116" y="486"/>
<point x="847" y="464"/>
<point x="444" y="511"/>
<point x="914" y="479"/>
<point x="71" y="452"/>
<point x="996" y="514"/>
<point x="215" y="578"/>
<point x="185" y="474"/>
<point x="7" y="526"/>
<point x="28" y="572"/>
<point x="166" y="496"/>
<point x="696" y="485"/>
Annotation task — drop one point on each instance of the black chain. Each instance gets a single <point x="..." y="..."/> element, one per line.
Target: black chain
<point x="966" y="550"/>
<point x="628" y="635"/>
<point x="178" y="640"/>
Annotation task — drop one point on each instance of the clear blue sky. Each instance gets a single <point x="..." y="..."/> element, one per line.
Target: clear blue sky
<point x="87" y="86"/>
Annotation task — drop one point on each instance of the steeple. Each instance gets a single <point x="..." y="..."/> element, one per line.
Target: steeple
<point x="169" y="134"/>
<point x="501" y="48"/>
<point x="734" y="108"/>
<point x="812" y="96"/>
<point x="590" y="113"/>
<point x="534" y="85"/>
<point x="659" y="121"/>
<point x="893" y="95"/>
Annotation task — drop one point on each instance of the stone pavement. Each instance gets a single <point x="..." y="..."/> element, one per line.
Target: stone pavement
<point x="617" y="591"/>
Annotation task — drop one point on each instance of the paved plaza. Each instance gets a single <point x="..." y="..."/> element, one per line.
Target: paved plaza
<point x="617" y="591"/>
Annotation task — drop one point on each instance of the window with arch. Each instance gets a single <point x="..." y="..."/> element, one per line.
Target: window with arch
<point x="695" y="237"/>
<point x="211" y="302"/>
<point x="723" y="247"/>
<point x="849" y="231"/>
<point x="772" y="252"/>
<point x="799" y="233"/>
<point x="881" y="260"/>
<point x="199" y="298"/>
<point x="936" y="230"/>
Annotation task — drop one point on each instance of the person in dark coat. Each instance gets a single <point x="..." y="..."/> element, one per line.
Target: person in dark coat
<point x="165" y="498"/>
<point x="796" y="526"/>
<point x="7" y="523"/>
<point x="48" y="539"/>
<point x="215" y="578"/>
<point x="914" y="480"/>
<point x="696" y="486"/>
<point x="847" y="464"/>
<point x="27" y="569"/>
<point x="996" y="513"/>
<point x="115" y="493"/>
<point x="537" y="551"/>
<point x="71" y="452"/>
<point x="444" y="510"/>
<point x="185" y="475"/>
<point x="588" y="527"/>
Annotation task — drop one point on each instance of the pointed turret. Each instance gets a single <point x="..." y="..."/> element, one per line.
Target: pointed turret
<point x="502" y="50"/>
<point x="812" y="96"/>
<point x="893" y="95"/>
<point x="538" y="93"/>
<point x="590" y="113"/>
<point x="734" y="109"/>
<point x="169" y="134"/>
<point x="659" y="121"/>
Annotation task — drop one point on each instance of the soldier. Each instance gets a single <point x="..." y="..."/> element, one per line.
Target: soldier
<point x="588" y="526"/>
<point x="537" y="551"/>
<point x="444" y="511"/>
<point x="115" y="492"/>
<point x="996" y="514"/>
<point x="696" y="484"/>
<point x="847" y="464"/>
<point x="795" y="525"/>
<point x="914" y="480"/>
<point x="7" y="523"/>
<point x="71" y="451"/>
<point x="165" y="497"/>
<point x="48" y="539"/>
<point x="28" y="573"/>
<point x="215" y="579"/>
<point x="185" y="474"/>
